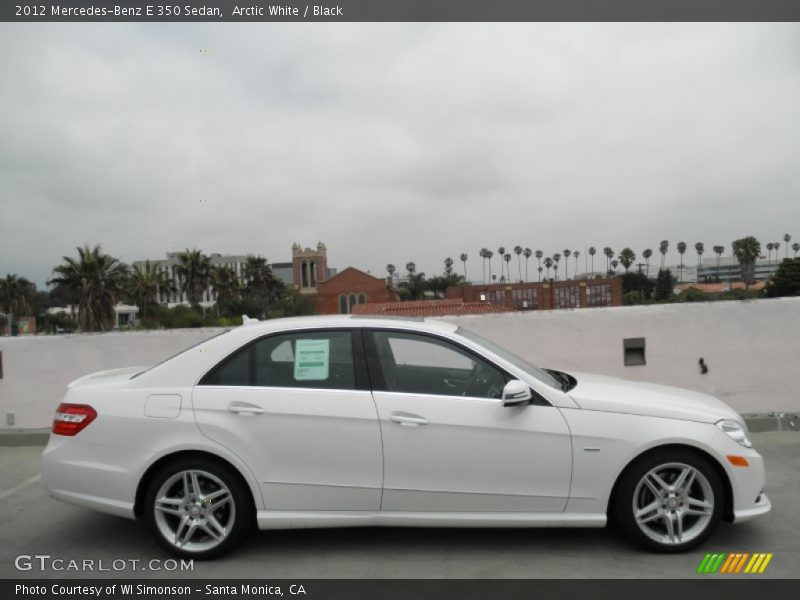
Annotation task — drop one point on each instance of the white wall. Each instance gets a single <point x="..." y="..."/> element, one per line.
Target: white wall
<point x="752" y="350"/>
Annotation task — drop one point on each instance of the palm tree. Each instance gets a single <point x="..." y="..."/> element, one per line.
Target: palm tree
<point x="718" y="250"/>
<point x="489" y="255"/>
<point x="681" y="251"/>
<point x="776" y="246"/>
<point x="567" y="254"/>
<point x="501" y="251"/>
<point x="747" y="250"/>
<point x="663" y="247"/>
<point x="647" y="253"/>
<point x="796" y="248"/>
<point x="615" y="264"/>
<point x="518" y="252"/>
<point x="464" y="258"/>
<point x="527" y="254"/>
<point x="411" y="267"/>
<point x="548" y="262"/>
<point x="787" y="238"/>
<point x="556" y="258"/>
<point x="390" y="268"/>
<point x="575" y="255"/>
<point x="145" y="284"/>
<point x="483" y="253"/>
<point x="448" y="266"/>
<point x="226" y="286"/>
<point x="540" y="269"/>
<point x="259" y="281"/>
<point x="194" y="273"/>
<point x="769" y="251"/>
<point x="507" y="258"/>
<point x="592" y="252"/>
<point x="16" y="296"/>
<point x="539" y="254"/>
<point x="609" y="255"/>
<point x="98" y="280"/>
<point x="700" y="248"/>
<point x="627" y="257"/>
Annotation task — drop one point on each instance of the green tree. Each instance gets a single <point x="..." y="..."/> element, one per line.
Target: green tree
<point x="482" y="254"/>
<point x="415" y="283"/>
<point x="548" y="262"/>
<point x="592" y="252"/>
<point x="16" y="297"/>
<point x="786" y="280"/>
<point x="501" y="252"/>
<point x="663" y="248"/>
<point x="718" y="250"/>
<point x="796" y="248"/>
<point x="626" y="258"/>
<point x="261" y="285"/>
<point x="556" y="259"/>
<point x="539" y="254"/>
<point x="464" y="258"/>
<point x="390" y="268"/>
<point x="144" y="285"/>
<point x="647" y="253"/>
<point x="507" y="258"/>
<point x="448" y="266"/>
<point x="194" y="273"/>
<point x="609" y="255"/>
<point x="747" y="250"/>
<point x="665" y="284"/>
<point x="636" y="286"/>
<point x="787" y="238"/>
<point x="567" y="254"/>
<point x="527" y="254"/>
<point x="489" y="255"/>
<point x="98" y="282"/>
<point x="575" y="255"/>
<point x="681" y="251"/>
<point x="700" y="248"/>
<point x="518" y="252"/>
<point x="614" y="265"/>
<point x="226" y="287"/>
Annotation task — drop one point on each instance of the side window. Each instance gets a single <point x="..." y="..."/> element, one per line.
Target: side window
<point x="322" y="359"/>
<point x="314" y="359"/>
<point x="419" y="364"/>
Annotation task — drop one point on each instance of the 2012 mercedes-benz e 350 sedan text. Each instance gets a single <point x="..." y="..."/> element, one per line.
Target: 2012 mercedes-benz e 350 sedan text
<point x="347" y="421"/>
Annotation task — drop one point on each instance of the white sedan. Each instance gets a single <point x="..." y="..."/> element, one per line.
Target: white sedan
<point x="348" y="421"/>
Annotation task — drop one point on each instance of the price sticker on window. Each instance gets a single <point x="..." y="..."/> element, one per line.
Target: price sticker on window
<point x="312" y="359"/>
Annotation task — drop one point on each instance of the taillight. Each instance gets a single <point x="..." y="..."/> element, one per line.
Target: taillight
<point x="71" y="419"/>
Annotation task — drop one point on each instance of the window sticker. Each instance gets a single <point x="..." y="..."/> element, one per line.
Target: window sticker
<point x="312" y="359"/>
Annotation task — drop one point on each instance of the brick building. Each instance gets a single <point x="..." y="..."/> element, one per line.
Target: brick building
<point x="351" y="287"/>
<point x="429" y="308"/>
<point x="546" y="295"/>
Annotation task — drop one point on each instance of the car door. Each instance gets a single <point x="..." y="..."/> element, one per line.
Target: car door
<point x="296" y="407"/>
<point x="449" y="444"/>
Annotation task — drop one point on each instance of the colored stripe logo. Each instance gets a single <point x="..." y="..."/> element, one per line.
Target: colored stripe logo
<point x="734" y="563"/>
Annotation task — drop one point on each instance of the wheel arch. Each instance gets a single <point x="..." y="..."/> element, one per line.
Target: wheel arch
<point x="727" y="512"/>
<point x="147" y="476"/>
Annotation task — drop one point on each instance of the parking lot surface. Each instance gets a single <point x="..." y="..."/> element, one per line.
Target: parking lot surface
<point x="34" y="524"/>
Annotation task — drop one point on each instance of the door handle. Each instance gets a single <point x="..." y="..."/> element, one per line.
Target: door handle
<point x="407" y="419"/>
<point x="247" y="409"/>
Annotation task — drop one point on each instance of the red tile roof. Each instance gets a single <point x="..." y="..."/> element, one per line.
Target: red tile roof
<point x="428" y="308"/>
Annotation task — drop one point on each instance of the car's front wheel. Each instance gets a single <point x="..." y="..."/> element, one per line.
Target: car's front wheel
<point x="197" y="508"/>
<point x="669" y="501"/>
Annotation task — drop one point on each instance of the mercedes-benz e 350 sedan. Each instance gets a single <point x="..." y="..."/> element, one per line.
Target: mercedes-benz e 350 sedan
<point x="347" y="421"/>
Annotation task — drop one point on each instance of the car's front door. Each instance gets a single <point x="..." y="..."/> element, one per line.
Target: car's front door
<point x="449" y="444"/>
<point x="296" y="407"/>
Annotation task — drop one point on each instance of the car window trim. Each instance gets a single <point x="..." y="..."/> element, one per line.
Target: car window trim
<point x="356" y="353"/>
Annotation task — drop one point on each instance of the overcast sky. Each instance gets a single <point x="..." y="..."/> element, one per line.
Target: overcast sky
<point x="393" y="142"/>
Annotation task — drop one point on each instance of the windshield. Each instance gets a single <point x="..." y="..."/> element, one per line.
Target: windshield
<point x="515" y="360"/>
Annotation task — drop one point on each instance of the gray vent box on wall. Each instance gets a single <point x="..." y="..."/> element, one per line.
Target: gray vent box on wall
<point x="633" y="351"/>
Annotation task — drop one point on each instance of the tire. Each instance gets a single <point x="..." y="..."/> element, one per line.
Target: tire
<point x="197" y="508"/>
<point x="656" y="508"/>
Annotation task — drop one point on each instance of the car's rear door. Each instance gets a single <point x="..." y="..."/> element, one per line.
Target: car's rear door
<point x="297" y="408"/>
<point x="449" y="444"/>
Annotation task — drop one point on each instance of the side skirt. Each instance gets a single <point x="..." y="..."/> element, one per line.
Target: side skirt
<point x="268" y="519"/>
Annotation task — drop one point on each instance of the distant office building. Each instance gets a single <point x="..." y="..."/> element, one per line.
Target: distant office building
<point x="729" y="269"/>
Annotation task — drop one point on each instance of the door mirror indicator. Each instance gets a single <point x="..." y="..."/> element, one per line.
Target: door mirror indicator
<point x="516" y="392"/>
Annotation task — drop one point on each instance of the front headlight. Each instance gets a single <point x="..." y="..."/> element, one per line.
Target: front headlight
<point x="736" y="431"/>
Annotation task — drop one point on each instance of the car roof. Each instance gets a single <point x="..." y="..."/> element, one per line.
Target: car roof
<point x="412" y="323"/>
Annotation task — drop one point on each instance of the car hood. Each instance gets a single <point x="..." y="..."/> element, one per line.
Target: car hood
<point x="103" y="378"/>
<point x="611" y="394"/>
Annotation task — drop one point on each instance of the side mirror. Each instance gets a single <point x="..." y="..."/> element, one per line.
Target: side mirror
<point x="516" y="392"/>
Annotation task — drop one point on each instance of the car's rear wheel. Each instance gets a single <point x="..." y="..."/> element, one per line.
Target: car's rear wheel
<point x="197" y="508"/>
<point x="670" y="501"/>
